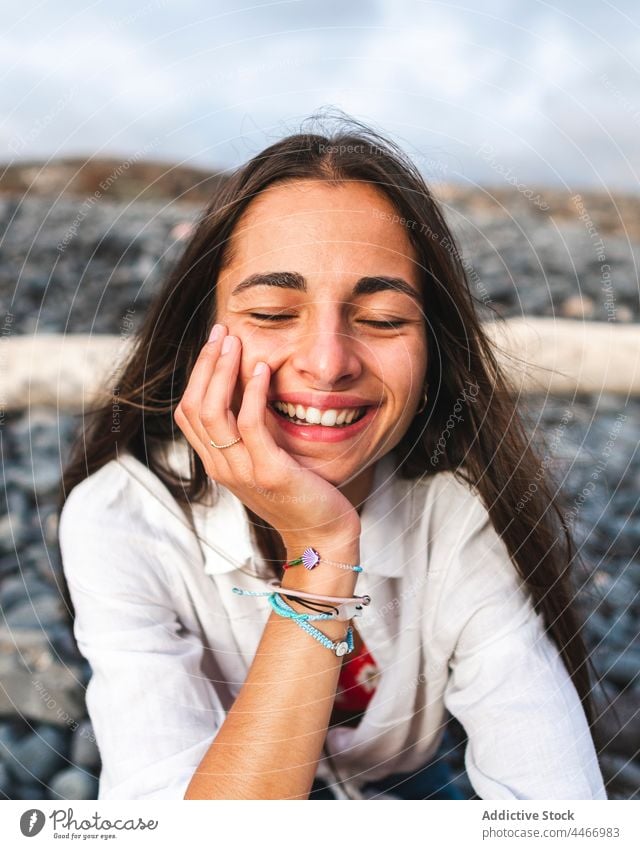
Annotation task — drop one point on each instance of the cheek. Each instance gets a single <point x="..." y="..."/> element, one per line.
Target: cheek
<point x="256" y="346"/>
<point x="403" y="368"/>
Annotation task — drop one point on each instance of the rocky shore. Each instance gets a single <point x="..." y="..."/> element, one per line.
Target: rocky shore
<point x="72" y="266"/>
<point x="92" y="265"/>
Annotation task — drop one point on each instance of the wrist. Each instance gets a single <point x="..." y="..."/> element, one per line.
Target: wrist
<point x="341" y="548"/>
<point x="325" y="577"/>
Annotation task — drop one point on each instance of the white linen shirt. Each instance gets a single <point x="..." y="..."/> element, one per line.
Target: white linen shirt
<point x="449" y="626"/>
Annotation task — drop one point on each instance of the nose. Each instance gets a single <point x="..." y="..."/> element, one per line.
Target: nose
<point x="326" y="356"/>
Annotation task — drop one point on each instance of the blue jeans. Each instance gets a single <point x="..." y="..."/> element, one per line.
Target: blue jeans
<point x="433" y="781"/>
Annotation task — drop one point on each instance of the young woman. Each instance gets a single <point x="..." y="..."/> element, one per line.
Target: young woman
<point x="312" y="414"/>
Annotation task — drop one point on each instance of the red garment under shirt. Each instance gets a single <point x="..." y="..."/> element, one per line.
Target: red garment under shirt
<point x="357" y="681"/>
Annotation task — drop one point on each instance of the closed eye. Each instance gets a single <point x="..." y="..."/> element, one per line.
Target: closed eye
<point x="389" y="323"/>
<point x="263" y="317"/>
<point x="378" y="324"/>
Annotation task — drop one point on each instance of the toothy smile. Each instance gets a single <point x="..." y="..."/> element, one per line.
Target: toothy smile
<point x="313" y="416"/>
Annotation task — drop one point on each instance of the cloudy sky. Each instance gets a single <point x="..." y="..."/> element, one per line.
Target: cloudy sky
<point x="484" y="91"/>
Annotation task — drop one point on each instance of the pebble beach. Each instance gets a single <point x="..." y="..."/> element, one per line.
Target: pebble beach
<point x="68" y="266"/>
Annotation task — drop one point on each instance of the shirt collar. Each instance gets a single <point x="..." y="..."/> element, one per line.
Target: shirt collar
<point x="226" y="533"/>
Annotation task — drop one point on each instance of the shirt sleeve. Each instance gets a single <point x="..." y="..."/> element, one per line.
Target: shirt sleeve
<point x="528" y="736"/>
<point x="154" y="712"/>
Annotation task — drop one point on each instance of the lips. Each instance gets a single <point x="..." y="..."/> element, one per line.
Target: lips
<point x="312" y="415"/>
<point x="326" y="401"/>
<point x="322" y="433"/>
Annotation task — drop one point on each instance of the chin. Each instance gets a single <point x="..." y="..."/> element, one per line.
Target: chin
<point x="333" y="471"/>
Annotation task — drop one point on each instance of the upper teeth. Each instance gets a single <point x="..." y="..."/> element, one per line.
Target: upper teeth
<point x="328" y="418"/>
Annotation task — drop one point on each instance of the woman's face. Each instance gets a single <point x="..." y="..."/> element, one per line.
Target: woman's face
<point x="314" y="256"/>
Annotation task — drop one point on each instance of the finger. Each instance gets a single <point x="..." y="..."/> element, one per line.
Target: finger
<point x="200" y="376"/>
<point x="218" y="394"/>
<point x="217" y="418"/>
<point x="193" y="439"/>
<point x="213" y="459"/>
<point x="252" y="425"/>
<point x="187" y="413"/>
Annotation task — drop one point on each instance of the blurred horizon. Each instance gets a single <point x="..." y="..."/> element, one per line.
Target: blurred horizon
<point x="501" y="92"/>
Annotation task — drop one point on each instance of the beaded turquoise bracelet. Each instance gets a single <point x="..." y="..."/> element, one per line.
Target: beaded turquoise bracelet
<point x="340" y="647"/>
<point x="283" y="609"/>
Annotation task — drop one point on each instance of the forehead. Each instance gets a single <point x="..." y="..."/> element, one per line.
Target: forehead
<point x="337" y="231"/>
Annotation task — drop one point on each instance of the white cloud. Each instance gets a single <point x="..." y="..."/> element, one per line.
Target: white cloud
<point x="218" y="82"/>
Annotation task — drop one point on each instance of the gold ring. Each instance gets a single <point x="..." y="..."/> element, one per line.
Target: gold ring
<point x="227" y="444"/>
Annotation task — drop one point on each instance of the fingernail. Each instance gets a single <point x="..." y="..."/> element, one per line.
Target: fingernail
<point x="259" y="368"/>
<point x="215" y="333"/>
<point x="226" y="345"/>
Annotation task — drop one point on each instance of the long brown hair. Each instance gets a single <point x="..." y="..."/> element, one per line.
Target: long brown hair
<point x="490" y="448"/>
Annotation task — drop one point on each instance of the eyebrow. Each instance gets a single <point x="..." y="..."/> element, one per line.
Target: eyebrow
<point x="295" y="281"/>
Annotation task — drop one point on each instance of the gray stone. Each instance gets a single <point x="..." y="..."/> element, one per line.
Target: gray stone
<point x="9" y="564"/>
<point x="63" y="641"/>
<point x="73" y="783"/>
<point x="32" y="553"/>
<point x="12" y="591"/>
<point x="30" y="791"/>
<point x="598" y="627"/>
<point x="617" y="592"/>
<point x="627" y="502"/>
<point x="6" y="783"/>
<point x="35" y="685"/>
<point x="39" y="480"/>
<point x="8" y="736"/>
<point x="622" y="669"/>
<point x="622" y="632"/>
<point x="17" y="589"/>
<point x="40" y="611"/>
<point x="36" y="431"/>
<point x="622" y="773"/>
<point x="38" y="756"/>
<point x="14" y="529"/>
<point x="48" y="523"/>
<point x="618" y="723"/>
<point x="49" y="568"/>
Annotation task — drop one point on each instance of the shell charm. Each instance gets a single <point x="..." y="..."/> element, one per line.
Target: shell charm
<point x="310" y="558"/>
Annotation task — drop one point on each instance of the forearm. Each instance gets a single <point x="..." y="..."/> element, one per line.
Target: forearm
<point x="271" y="740"/>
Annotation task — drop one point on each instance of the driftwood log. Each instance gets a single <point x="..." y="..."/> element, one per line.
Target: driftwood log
<point x="541" y="355"/>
